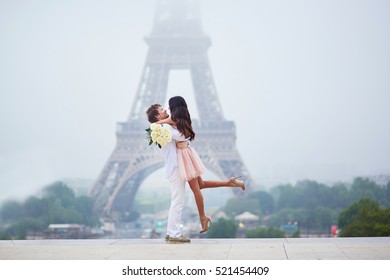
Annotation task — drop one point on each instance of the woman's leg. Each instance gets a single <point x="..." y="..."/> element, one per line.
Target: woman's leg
<point x="204" y="220"/>
<point x="232" y="182"/>
<point x="198" y="197"/>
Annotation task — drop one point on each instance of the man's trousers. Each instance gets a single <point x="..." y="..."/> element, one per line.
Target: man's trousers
<point x="177" y="203"/>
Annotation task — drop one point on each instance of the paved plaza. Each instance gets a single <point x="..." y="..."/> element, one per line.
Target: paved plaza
<point x="199" y="249"/>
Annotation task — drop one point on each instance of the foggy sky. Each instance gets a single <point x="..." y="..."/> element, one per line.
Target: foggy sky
<point x="306" y="82"/>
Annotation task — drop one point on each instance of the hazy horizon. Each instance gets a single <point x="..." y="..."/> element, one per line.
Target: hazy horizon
<point x="306" y="83"/>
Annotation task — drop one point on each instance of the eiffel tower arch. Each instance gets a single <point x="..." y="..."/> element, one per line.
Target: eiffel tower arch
<point x="177" y="41"/>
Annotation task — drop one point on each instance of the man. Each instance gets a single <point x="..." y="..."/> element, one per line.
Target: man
<point x="155" y="113"/>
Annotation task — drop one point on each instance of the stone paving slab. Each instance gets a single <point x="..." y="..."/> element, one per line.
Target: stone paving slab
<point x="199" y="249"/>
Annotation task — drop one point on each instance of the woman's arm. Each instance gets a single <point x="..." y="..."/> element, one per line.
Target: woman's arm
<point x="167" y="121"/>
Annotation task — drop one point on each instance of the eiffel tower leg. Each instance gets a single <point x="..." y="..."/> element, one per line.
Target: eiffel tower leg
<point x="121" y="202"/>
<point x="216" y="148"/>
<point x="129" y="164"/>
<point x="205" y="92"/>
<point x="151" y="90"/>
<point x="106" y="183"/>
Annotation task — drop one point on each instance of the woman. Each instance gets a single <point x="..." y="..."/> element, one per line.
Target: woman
<point x="190" y="165"/>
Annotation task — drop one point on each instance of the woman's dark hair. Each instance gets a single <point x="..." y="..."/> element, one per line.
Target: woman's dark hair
<point x="181" y="116"/>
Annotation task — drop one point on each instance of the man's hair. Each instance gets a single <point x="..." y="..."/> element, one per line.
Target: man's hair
<point x="152" y="113"/>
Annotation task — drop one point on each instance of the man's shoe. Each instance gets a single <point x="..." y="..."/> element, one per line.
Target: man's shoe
<point x="181" y="239"/>
<point x="166" y="237"/>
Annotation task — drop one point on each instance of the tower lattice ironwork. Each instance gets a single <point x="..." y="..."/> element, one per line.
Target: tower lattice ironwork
<point x="177" y="41"/>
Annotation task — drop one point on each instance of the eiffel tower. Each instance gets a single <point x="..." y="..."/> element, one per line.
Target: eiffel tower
<point x="177" y="41"/>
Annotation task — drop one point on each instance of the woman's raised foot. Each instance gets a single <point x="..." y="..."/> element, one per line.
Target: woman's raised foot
<point x="236" y="183"/>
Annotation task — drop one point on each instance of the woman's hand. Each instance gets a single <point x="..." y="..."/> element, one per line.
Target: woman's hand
<point x="167" y="121"/>
<point x="181" y="144"/>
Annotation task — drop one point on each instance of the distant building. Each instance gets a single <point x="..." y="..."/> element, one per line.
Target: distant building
<point x="71" y="231"/>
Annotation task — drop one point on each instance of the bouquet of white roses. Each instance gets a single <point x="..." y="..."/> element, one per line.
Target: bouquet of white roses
<point x="158" y="134"/>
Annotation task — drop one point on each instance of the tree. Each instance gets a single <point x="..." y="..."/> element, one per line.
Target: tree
<point x="387" y="194"/>
<point x="281" y="217"/>
<point x="286" y="196"/>
<point x="33" y="207"/>
<point x="364" y="218"/>
<point x="266" y="201"/>
<point x="264" y="232"/>
<point x="11" y="210"/>
<point x="312" y="192"/>
<point x="60" y="191"/>
<point x="20" y="228"/>
<point x="325" y="218"/>
<point x="223" y="229"/>
<point x="84" y="206"/>
<point x="57" y="205"/>
<point x="238" y="205"/>
<point x="364" y="188"/>
<point x="340" y="197"/>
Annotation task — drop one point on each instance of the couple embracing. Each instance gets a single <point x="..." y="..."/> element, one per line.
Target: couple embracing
<point x="182" y="164"/>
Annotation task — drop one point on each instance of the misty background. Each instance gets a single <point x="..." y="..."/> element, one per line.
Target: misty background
<point x="306" y="82"/>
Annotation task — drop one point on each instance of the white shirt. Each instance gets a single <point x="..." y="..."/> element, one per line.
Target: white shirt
<point x="169" y="152"/>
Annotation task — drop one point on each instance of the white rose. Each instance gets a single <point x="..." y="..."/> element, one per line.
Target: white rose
<point x="153" y="126"/>
<point x="163" y="143"/>
<point x="154" y="135"/>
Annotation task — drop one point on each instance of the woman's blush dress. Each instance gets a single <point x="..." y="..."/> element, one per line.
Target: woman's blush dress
<point x="190" y="165"/>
